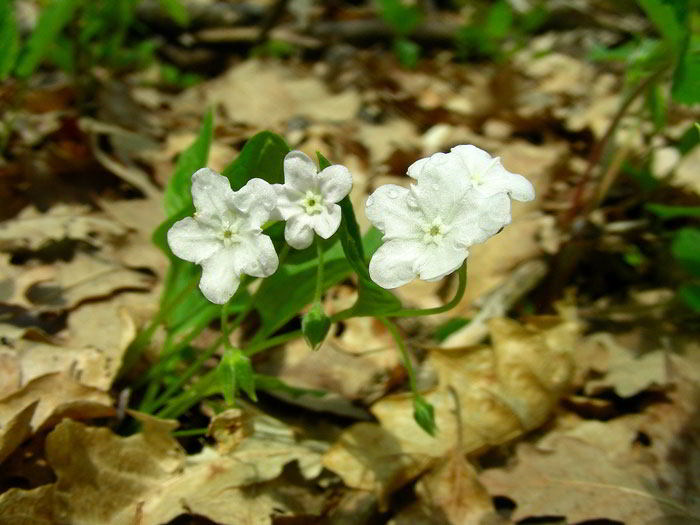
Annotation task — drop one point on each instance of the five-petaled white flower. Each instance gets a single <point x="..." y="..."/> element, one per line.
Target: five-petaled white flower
<point x="307" y="199"/>
<point x="459" y="199"/>
<point x="225" y="235"/>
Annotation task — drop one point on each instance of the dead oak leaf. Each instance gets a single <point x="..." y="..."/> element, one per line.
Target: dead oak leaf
<point x="504" y="391"/>
<point x="106" y="479"/>
<point x="579" y="482"/>
<point x="31" y="230"/>
<point x="626" y="373"/>
<point x="452" y="490"/>
<point x="84" y="277"/>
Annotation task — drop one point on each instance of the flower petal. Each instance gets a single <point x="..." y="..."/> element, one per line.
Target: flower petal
<point x="287" y="202"/>
<point x="211" y="193"/>
<point x="435" y="262"/>
<point x="414" y="170"/>
<point x="395" y="263"/>
<point x="388" y="209"/>
<point x="336" y="182"/>
<point x="498" y="179"/>
<point x="441" y="187"/>
<point x="192" y="241"/>
<point x="495" y="177"/>
<point x="219" y="279"/>
<point x="299" y="171"/>
<point x="257" y="199"/>
<point x="299" y="232"/>
<point x="326" y="223"/>
<point x="255" y="255"/>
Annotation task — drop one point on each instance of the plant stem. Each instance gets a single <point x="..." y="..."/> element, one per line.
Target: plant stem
<point x="418" y="312"/>
<point x="404" y="353"/>
<point x="319" y="272"/>
<point x="272" y="341"/>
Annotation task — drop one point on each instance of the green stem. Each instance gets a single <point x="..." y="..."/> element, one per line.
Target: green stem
<point x="190" y="432"/>
<point x="319" y="272"/>
<point x="189" y="373"/>
<point x="272" y="341"/>
<point x="144" y="337"/>
<point x="226" y="328"/>
<point x="184" y="401"/>
<point x="417" y="312"/>
<point x="409" y="312"/>
<point x="393" y="329"/>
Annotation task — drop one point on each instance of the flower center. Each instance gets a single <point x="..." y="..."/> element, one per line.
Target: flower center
<point x="434" y="232"/>
<point x="312" y="202"/>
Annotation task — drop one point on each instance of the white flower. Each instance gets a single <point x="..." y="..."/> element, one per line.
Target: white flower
<point x="307" y="199"/>
<point x="225" y="235"/>
<point x="459" y="199"/>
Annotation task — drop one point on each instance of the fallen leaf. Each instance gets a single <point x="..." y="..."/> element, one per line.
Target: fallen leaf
<point x="626" y="373"/>
<point x="273" y="93"/>
<point x="106" y="479"/>
<point x="579" y="482"/>
<point x="453" y="491"/>
<point x="504" y="391"/>
<point x="84" y="277"/>
<point x="31" y="230"/>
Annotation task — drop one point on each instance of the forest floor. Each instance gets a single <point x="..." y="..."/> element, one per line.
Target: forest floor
<point x="566" y="382"/>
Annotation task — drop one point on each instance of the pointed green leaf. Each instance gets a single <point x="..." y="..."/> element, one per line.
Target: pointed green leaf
<point x="261" y="157"/>
<point x="178" y="194"/>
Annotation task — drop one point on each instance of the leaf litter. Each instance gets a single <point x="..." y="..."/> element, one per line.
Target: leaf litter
<point x="78" y="279"/>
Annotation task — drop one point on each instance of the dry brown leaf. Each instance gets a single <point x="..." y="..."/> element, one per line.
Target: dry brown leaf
<point x="579" y="482"/>
<point x="273" y="93"/>
<point x="504" y="390"/>
<point x="452" y="490"/>
<point x="104" y="479"/>
<point x="347" y="368"/>
<point x="31" y="230"/>
<point x="43" y="401"/>
<point x="84" y="277"/>
<point x="626" y="373"/>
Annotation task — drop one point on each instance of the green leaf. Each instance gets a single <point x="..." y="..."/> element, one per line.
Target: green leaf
<point x="262" y="157"/>
<point x="686" y="249"/>
<point x="176" y="10"/>
<point x="449" y="327"/>
<point x="402" y="18"/>
<point x="315" y="325"/>
<point x="658" y="106"/>
<point x="424" y="414"/>
<point x="235" y="373"/>
<point x="407" y="51"/>
<point x="499" y="21"/>
<point x="245" y="377"/>
<point x="372" y="299"/>
<point x="690" y="293"/>
<point x="274" y="384"/>
<point x="226" y="373"/>
<point x="669" y="17"/>
<point x="673" y="212"/>
<point x="178" y="194"/>
<point x="53" y="19"/>
<point x="9" y="39"/>
<point x="686" y="78"/>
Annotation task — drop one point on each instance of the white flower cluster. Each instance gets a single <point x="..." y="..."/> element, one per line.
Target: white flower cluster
<point x="459" y="199"/>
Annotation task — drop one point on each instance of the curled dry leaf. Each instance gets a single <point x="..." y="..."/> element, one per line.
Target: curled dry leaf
<point x="504" y="391"/>
<point x="31" y="230"/>
<point x="105" y="479"/>
<point x="452" y="490"/>
<point x="43" y="401"/>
